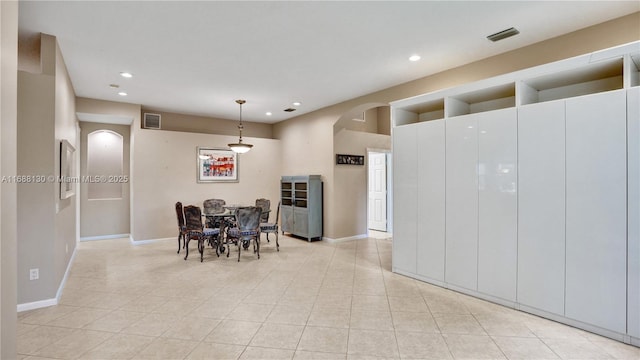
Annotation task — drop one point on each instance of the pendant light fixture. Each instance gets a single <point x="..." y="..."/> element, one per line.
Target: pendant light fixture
<point x="240" y="147"/>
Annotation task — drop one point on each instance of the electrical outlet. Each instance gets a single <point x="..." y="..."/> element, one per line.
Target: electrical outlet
<point x="34" y="274"/>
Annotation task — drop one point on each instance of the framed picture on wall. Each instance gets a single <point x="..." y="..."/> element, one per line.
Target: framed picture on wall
<point x="67" y="183"/>
<point x="216" y="165"/>
<point x="342" y="159"/>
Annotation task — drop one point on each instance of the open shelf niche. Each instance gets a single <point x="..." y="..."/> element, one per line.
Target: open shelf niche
<point x="425" y="111"/>
<point x="487" y="99"/>
<point x="591" y="79"/>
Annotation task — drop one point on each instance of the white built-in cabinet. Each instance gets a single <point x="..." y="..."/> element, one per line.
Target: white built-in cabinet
<point x="541" y="206"/>
<point x="497" y="203"/>
<point x="524" y="190"/>
<point x="461" y="258"/>
<point x="404" y="199"/>
<point x="633" y="211"/>
<point x="430" y="245"/>
<point x="596" y="196"/>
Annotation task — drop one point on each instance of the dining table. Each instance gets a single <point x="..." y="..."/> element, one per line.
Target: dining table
<point x="227" y="220"/>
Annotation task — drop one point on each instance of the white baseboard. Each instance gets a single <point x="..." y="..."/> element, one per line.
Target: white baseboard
<point x="344" y="239"/>
<point x="66" y="275"/>
<point x="105" y="237"/>
<point x="149" y="241"/>
<point x="37" y="304"/>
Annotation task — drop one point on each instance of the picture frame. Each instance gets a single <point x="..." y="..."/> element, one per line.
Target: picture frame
<point x="66" y="180"/>
<point x="216" y="165"/>
<point x="345" y="159"/>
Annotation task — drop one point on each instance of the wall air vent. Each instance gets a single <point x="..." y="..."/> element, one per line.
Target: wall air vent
<point x="151" y="121"/>
<point x="289" y="109"/>
<point x="503" y="34"/>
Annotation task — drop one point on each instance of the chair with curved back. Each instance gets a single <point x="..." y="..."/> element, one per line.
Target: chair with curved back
<point x="269" y="228"/>
<point x="247" y="229"/>
<point x="265" y="205"/>
<point x="213" y="206"/>
<point x="196" y="231"/>
<point x="182" y="229"/>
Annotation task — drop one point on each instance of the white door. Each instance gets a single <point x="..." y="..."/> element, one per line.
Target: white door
<point x="377" y="191"/>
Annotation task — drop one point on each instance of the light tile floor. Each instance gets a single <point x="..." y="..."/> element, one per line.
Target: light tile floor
<point x="308" y="301"/>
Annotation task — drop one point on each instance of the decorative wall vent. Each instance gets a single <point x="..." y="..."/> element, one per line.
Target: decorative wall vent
<point x="151" y="121"/>
<point x="503" y="34"/>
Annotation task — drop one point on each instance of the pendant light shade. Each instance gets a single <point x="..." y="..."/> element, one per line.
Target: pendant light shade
<point x="240" y="147"/>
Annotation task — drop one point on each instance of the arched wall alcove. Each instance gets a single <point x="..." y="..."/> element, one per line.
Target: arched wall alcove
<point x="363" y="128"/>
<point x="105" y="188"/>
<point x="105" y="158"/>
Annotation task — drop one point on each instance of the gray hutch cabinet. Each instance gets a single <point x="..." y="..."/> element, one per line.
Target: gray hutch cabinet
<point x="301" y="206"/>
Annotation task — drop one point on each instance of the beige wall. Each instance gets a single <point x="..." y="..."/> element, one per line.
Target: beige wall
<point x="206" y="125"/>
<point x="66" y="128"/>
<point x="104" y="217"/>
<point x="8" y="167"/>
<point x="164" y="172"/>
<point x="46" y="224"/>
<point x="351" y="181"/>
<point x="315" y="155"/>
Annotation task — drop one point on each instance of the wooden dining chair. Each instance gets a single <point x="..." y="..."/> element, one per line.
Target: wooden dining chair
<point x="265" y="205"/>
<point x="247" y="229"/>
<point x="196" y="230"/>
<point x="213" y="206"/>
<point x="182" y="229"/>
<point x="269" y="228"/>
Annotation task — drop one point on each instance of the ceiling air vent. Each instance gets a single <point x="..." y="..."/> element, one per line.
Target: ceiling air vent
<point x="151" y="121"/>
<point x="289" y="109"/>
<point x="503" y="34"/>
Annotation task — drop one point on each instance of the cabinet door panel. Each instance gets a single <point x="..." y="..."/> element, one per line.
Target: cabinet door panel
<point x="431" y="200"/>
<point x="596" y="210"/>
<point x="287" y="218"/>
<point x="301" y="222"/>
<point x="633" y="144"/>
<point x="541" y="206"/>
<point x="461" y="266"/>
<point x="405" y="204"/>
<point x="497" y="203"/>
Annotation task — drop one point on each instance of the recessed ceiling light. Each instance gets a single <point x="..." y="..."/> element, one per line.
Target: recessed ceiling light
<point x="268" y="113"/>
<point x="297" y="103"/>
<point x="126" y="75"/>
<point x="122" y="93"/>
<point x="114" y="86"/>
<point x="414" y="57"/>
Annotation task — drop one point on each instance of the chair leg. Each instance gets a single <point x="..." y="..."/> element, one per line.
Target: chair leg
<point x="277" y="244"/>
<point x="186" y="245"/>
<point x="239" y="249"/>
<point x="201" y="247"/>
<point x="257" y="243"/>
<point x="179" y="236"/>
<point x="268" y="237"/>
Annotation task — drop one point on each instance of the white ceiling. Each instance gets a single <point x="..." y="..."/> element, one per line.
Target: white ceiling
<point x="198" y="57"/>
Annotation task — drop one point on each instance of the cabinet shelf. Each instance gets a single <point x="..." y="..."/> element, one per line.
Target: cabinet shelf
<point x="591" y="79"/>
<point x="427" y="111"/>
<point x="492" y="98"/>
